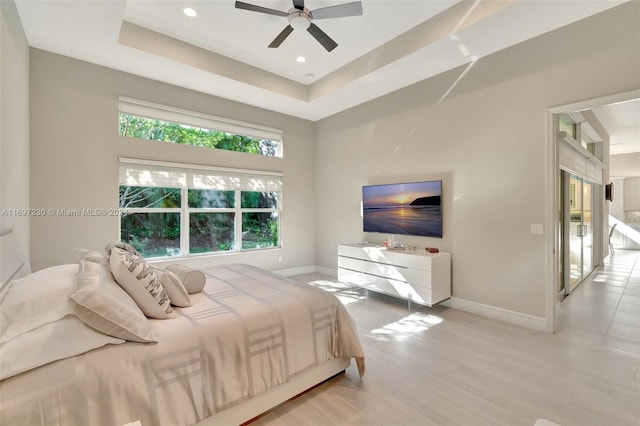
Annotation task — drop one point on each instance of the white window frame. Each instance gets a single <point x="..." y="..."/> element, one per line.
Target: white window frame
<point x="156" y="111"/>
<point x="133" y="172"/>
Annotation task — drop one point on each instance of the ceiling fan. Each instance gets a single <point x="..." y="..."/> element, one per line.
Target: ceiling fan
<point x="300" y="17"/>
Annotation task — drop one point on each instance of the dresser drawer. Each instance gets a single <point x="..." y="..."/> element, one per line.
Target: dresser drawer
<point x="385" y="285"/>
<point x="373" y="268"/>
<point x="411" y="260"/>
<point x="371" y="253"/>
<point x="351" y="251"/>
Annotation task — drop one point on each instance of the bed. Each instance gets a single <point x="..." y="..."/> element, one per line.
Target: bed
<point x="250" y="340"/>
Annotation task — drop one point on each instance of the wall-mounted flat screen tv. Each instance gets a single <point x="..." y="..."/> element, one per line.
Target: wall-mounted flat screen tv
<point x="403" y="208"/>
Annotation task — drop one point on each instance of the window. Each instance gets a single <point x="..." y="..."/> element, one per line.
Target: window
<point x="146" y="120"/>
<point x="181" y="210"/>
<point x="582" y="132"/>
<point x="567" y="124"/>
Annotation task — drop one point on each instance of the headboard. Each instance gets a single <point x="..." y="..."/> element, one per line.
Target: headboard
<point x="14" y="262"/>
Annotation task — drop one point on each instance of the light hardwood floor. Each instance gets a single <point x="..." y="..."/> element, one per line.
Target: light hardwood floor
<point x="440" y="366"/>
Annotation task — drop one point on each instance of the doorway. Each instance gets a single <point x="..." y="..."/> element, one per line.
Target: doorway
<point x="567" y="146"/>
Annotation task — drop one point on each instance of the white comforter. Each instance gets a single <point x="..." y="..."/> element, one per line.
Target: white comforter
<point x="247" y="331"/>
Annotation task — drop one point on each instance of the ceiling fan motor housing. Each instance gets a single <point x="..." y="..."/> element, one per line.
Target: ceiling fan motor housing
<point x="299" y="19"/>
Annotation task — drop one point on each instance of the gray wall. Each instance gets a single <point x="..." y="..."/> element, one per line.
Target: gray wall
<point x="75" y="148"/>
<point x="488" y="141"/>
<point x="14" y="122"/>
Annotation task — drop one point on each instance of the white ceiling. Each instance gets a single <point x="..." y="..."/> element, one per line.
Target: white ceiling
<point x="223" y="50"/>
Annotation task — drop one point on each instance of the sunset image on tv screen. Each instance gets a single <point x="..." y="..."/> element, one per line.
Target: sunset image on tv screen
<point x="403" y="208"/>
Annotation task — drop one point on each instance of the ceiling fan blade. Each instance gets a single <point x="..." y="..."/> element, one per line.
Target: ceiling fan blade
<point x="254" y="8"/>
<point x="298" y="4"/>
<point x="338" y="11"/>
<point x="326" y="41"/>
<point x="280" y="37"/>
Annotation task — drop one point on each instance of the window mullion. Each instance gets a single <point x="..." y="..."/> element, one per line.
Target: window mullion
<point x="238" y="220"/>
<point x="260" y="210"/>
<point x="212" y="210"/>
<point x="184" y="223"/>
<point x="151" y="210"/>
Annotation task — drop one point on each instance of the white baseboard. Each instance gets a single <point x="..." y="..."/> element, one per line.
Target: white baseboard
<point x="296" y="271"/>
<point x="500" y="314"/>
<point x="308" y="270"/>
<point x="327" y="271"/>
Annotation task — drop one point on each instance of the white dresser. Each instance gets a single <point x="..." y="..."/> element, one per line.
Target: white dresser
<point x="414" y="275"/>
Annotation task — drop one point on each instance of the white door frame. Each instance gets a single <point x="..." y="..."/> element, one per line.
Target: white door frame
<point x="553" y="173"/>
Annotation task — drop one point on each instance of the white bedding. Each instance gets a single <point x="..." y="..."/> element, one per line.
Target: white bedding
<point x="52" y="341"/>
<point x="249" y="330"/>
<point x="36" y="299"/>
<point x="36" y="314"/>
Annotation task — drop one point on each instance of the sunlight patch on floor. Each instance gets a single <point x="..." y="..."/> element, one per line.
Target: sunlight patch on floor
<point x="599" y="278"/>
<point x="406" y="327"/>
<point x="346" y="293"/>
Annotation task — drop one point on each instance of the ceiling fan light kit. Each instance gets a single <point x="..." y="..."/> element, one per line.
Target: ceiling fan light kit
<point x="301" y="18"/>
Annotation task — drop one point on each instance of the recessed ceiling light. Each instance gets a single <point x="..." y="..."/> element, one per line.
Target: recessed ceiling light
<point x="301" y="59"/>
<point x="189" y="12"/>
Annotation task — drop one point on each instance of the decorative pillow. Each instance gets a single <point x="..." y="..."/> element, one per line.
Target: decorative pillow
<point x="61" y="339"/>
<point x="174" y="288"/>
<point x="192" y="279"/>
<point x="37" y="299"/>
<point x="122" y="246"/>
<point x="138" y="279"/>
<point x="94" y="256"/>
<point x="102" y="304"/>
